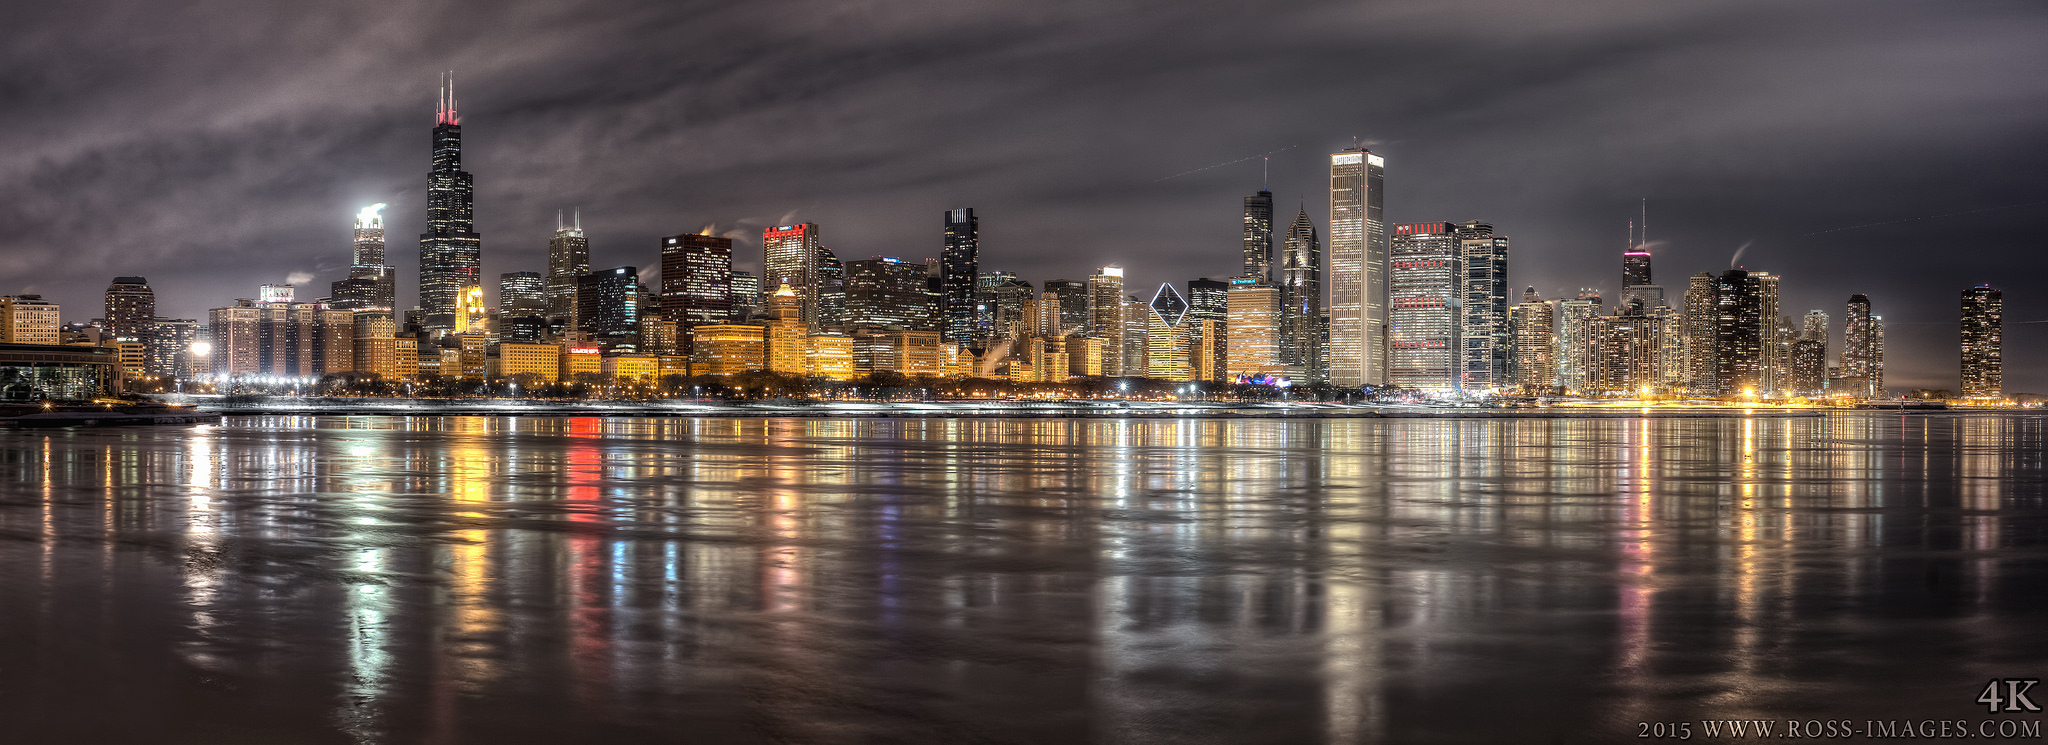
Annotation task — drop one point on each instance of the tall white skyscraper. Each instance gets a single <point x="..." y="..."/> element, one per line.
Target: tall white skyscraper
<point x="1358" y="269"/>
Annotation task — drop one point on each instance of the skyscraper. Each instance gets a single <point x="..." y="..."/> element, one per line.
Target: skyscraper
<point x="886" y="293"/>
<point x="568" y="261"/>
<point x="451" y="251"/>
<point x="745" y="294"/>
<point x="789" y="255"/>
<point x="1862" y="375"/>
<point x="1741" y="334"/>
<point x="1484" y="337"/>
<point x="1073" y="295"/>
<point x="608" y="308"/>
<point x="831" y="289"/>
<point x="1635" y="267"/>
<point x="1252" y="347"/>
<point x="371" y="283"/>
<point x="1426" y="272"/>
<point x="1302" y="342"/>
<point x="131" y="309"/>
<point x="1208" y="325"/>
<point x="696" y="280"/>
<point x="1106" y="316"/>
<point x="521" y="294"/>
<point x="1700" y="365"/>
<point x="1166" y="348"/>
<point x="1983" y="324"/>
<point x="1258" y="236"/>
<point x="1535" y="324"/>
<point x="1358" y="269"/>
<point x="1574" y="348"/>
<point x="958" y="268"/>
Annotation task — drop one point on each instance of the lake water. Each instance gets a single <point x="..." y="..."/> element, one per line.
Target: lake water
<point x="534" y="579"/>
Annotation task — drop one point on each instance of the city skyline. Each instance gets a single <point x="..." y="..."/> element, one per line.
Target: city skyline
<point x="1184" y="189"/>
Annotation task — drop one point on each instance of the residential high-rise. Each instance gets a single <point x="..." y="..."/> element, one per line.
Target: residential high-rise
<point x="131" y="312"/>
<point x="1774" y="346"/>
<point x="696" y="280"/>
<point x="451" y="251"/>
<point x="959" y="266"/>
<point x="1623" y="351"/>
<point x="789" y="255"/>
<point x="1809" y="368"/>
<point x="1535" y="323"/>
<point x="1983" y="324"/>
<point x="887" y="293"/>
<point x="1427" y="269"/>
<point x="568" y="261"/>
<point x="608" y="308"/>
<point x="1862" y="374"/>
<point x="1302" y="337"/>
<point x="1106" y="316"/>
<point x="1700" y="358"/>
<point x="1485" y="340"/>
<point x="371" y="283"/>
<point x="1815" y="327"/>
<point x="1258" y="236"/>
<point x="1252" y="347"/>
<point x="280" y="339"/>
<point x="1574" y="348"/>
<point x="1358" y="354"/>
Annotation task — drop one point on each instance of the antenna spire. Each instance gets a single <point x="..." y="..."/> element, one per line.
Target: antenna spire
<point x="1266" y="174"/>
<point x="579" y="218"/>
<point x="558" y="221"/>
<point x="1646" y="219"/>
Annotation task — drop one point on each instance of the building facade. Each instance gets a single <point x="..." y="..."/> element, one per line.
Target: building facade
<point x="1983" y="369"/>
<point x="1358" y="269"/>
<point x="451" y="251"/>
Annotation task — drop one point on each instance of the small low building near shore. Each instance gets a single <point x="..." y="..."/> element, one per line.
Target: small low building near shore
<point x="32" y="372"/>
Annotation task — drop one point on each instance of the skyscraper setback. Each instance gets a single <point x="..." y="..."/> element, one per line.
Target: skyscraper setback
<point x="370" y="283"/>
<point x="1358" y="269"/>
<point x="451" y="251"/>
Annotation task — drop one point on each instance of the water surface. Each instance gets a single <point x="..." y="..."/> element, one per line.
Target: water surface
<point x="533" y="579"/>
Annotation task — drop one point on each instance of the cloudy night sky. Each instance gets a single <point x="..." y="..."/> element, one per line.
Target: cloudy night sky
<point x="1889" y="148"/>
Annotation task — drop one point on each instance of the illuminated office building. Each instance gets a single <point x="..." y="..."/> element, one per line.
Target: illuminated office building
<point x="28" y="319"/>
<point x="1208" y="327"/>
<point x="1105" y="316"/>
<point x="1485" y="342"/>
<point x="1740" y="362"/>
<point x="1983" y="326"/>
<point x="1700" y="358"/>
<point x="789" y="255"/>
<point x="1073" y="295"/>
<point x="831" y="291"/>
<point x="1166" y="348"/>
<point x="1252" y="347"/>
<point x="696" y="280"/>
<point x="451" y="251"/>
<point x="1573" y="344"/>
<point x="1426" y="270"/>
<point x="744" y="295"/>
<point x="131" y="309"/>
<point x="887" y="293"/>
<point x="1358" y="269"/>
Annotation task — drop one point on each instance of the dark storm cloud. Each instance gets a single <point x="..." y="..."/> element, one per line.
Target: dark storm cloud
<point x="218" y="147"/>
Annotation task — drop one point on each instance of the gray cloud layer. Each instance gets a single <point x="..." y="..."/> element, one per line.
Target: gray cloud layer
<point x="217" y="147"/>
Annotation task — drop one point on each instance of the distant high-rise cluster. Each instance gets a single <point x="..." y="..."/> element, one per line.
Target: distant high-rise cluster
<point x="1419" y="308"/>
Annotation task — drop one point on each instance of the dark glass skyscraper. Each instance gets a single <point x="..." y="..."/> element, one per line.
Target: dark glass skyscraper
<point x="1301" y="299"/>
<point x="1258" y="236"/>
<point x="451" y="251"/>
<point x="608" y="308"/>
<point x="1635" y="268"/>
<point x="959" y="266"/>
<point x="1073" y="295"/>
<point x="1739" y="323"/>
<point x="696" y="279"/>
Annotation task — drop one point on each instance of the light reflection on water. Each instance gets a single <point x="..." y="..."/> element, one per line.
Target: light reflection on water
<point x="946" y="580"/>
